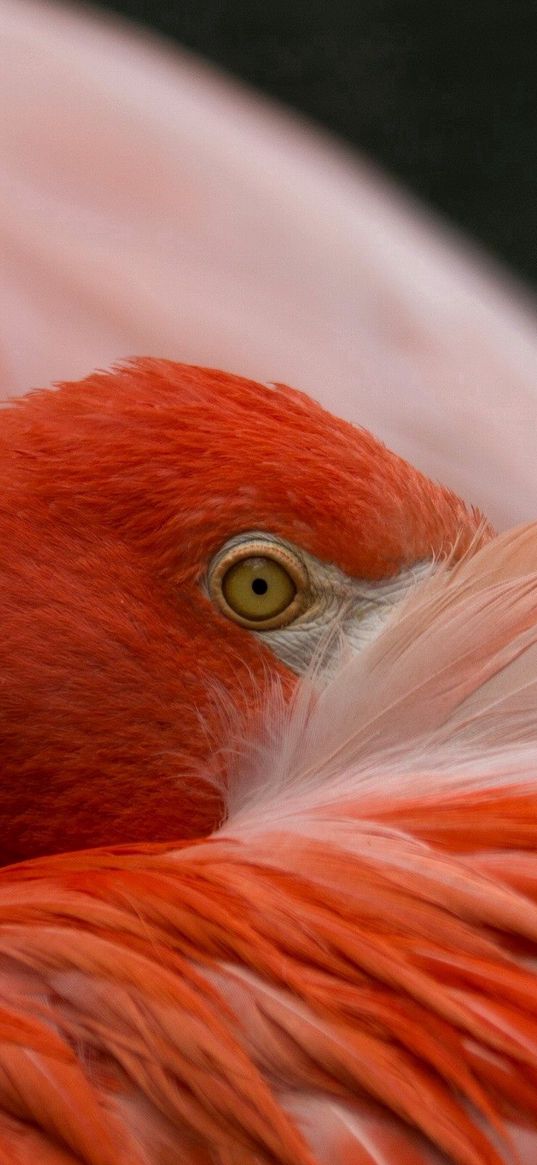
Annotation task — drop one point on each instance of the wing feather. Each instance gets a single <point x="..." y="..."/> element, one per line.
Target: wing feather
<point x="344" y="974"/>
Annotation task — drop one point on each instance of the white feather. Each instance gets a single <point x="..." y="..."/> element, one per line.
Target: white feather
<point x="446" y="697"/>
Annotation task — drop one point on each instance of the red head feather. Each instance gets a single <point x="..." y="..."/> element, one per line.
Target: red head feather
<point x="345" y="974"/>
<point x="114" y="494"/>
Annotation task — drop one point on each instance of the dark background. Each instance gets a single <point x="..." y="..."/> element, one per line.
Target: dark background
<point x="442" y="93"/>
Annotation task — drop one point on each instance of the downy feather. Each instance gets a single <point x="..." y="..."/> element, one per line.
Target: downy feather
<point x="345" y="973"/>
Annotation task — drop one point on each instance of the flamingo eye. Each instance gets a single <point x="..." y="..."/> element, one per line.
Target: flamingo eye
<point x="259" y="584"/>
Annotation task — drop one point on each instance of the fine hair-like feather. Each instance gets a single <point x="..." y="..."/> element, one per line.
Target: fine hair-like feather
<point x="344" y="974"/>
<point x="115" y="495"/>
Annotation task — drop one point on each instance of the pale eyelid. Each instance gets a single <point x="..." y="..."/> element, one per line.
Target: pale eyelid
<point x="356" y="608"/>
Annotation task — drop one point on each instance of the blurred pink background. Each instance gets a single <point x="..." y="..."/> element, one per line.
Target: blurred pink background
<point x="151" y="205"/>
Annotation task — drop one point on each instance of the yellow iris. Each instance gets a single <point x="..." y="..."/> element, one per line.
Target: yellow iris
<point x="259" y="583"/>
<point x="258" y="588"/>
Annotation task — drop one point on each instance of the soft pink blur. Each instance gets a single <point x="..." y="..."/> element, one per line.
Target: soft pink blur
<point x="149" y="205"/>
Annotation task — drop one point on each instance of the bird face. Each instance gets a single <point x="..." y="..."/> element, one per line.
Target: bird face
<point x="171" y="539"/>
<point x="292" y="601"/>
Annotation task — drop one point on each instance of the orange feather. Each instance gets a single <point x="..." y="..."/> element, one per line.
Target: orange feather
<point x="344" y="973"/>
<point x="114" y="494"/>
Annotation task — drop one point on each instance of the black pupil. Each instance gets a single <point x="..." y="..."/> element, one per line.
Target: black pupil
<point x="259" y="586"/>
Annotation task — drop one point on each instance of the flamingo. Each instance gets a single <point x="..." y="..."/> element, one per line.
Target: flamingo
<point x="307" y="933"/>
<point x="132" y="504"/>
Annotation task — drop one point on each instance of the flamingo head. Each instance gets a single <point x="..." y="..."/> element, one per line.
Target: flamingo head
<point x="171" y="539"/>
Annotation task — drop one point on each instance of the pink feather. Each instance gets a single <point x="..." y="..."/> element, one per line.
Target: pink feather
<point x="345" y="973"/>
<point x="150" y="204"/>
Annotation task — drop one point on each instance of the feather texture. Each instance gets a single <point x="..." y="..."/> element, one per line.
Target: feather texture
<point x="115" y="494"/>
<point x="344" y="974"/>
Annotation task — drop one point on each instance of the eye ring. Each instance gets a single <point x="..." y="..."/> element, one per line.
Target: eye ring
<point x="284" y="570"/>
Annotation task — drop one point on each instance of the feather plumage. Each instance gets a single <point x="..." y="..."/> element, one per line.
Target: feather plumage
<point x="345" y="972"/>
<point x="115" y="493"/>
